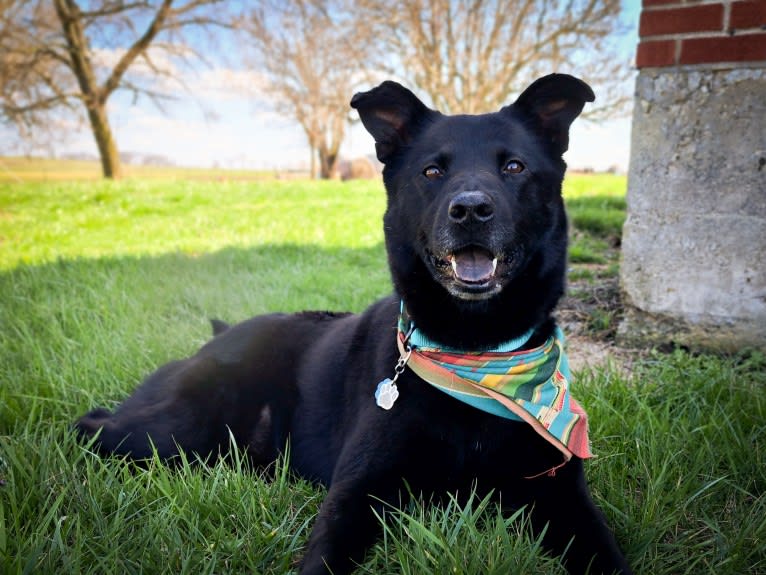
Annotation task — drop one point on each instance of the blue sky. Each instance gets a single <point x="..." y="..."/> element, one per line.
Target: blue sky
<point x="225" y="125"/>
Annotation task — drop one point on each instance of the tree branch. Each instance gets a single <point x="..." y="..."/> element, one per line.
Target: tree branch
<point x="133" y="52"/>
<point x="112" y="8"/>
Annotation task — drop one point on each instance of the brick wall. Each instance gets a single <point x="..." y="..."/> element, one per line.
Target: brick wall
<point x="689" y="32"/>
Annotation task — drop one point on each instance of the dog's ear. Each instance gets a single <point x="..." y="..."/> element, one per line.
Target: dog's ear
<point x="392" y="114"/>
<point x="218" y="326"/>
<point x="554" y="101"/>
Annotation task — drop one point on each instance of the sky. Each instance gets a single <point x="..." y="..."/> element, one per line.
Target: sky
<point x="223" y="125"/>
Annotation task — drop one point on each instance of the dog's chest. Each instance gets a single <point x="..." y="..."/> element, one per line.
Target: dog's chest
<point x="467" y="445"/>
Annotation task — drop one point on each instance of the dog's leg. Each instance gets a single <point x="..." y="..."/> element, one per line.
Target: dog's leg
<point x="345" y="528"/>
<point x="562" y="505"/>
<point x="346" y="525"/>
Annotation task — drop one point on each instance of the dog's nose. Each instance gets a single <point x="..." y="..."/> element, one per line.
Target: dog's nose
<point x="471" y="205"/>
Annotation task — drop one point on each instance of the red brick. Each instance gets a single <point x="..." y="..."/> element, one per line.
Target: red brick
<point x="661" y="53"/>
<point x="744" y="48"/>
<point x="702" y="18"/>
<point x="749" y="14"/>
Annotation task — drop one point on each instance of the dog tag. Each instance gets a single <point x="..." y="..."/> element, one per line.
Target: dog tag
<point x="386" y="394"/>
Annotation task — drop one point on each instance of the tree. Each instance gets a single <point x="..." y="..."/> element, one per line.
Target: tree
<point x="313" y="54"/>
<point x="53" y="57"/>
<point x="469" y="56"/>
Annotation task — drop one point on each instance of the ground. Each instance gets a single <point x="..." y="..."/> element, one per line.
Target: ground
<point x="589" y="315"/>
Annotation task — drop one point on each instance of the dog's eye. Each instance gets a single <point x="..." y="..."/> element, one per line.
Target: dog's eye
<point x="513" y="167"/>
<point x="433" y="172"/>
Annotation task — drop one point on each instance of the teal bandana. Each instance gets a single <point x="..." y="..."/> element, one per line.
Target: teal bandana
<point x="529" y="385"/>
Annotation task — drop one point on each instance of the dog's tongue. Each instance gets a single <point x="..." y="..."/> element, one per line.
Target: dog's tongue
<point x="473" y="265"/>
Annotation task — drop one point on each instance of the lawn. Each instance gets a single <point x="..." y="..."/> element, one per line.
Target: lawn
<point x="100" y="282"/>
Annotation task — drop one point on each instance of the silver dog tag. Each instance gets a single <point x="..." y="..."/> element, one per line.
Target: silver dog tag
<point x="386" y="394"/>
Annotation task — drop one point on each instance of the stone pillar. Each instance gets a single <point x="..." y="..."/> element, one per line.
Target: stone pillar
<point x="694" y="243"/>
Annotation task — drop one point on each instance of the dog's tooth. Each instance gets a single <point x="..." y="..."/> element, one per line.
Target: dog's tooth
<point x="453" y="262"/>
<point x="494" y="266"/>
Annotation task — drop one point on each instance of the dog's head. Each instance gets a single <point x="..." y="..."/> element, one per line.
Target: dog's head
<point x="475" y="224"/>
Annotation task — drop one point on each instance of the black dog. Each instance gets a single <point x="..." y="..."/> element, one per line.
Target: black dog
<point x="476" y="236"/>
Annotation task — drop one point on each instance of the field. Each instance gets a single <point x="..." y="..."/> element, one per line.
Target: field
<point x="100" y="282"/>
<point x="17" y="169"/>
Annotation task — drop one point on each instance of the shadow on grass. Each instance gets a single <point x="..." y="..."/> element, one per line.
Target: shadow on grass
<point x="78" y="330"/>
<point x="600" y="215"/>
<point x="267" y="276"/>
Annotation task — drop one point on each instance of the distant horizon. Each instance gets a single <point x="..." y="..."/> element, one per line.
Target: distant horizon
<point x="160" y="162"/>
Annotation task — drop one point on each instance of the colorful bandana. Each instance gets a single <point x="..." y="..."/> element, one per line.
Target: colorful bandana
<point x="523" y="385"/>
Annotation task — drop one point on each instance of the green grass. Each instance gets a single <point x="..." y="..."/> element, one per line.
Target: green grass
<point x="45" y="221"/>
<point x="101" y="282"/>
<point x="596" y="208"/>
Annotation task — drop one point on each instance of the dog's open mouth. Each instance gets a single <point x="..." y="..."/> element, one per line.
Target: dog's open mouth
<point x="471" y="272"/>
<point x="473" y="266"/>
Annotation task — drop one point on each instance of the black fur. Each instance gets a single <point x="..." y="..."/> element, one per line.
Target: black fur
<point x="462" y="191"/>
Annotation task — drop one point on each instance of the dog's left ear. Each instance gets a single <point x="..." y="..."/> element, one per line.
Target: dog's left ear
<point x="554" y="101"/>
<point x="392" y="115"/>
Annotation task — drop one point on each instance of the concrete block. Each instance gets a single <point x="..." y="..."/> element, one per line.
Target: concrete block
<point x="694" y="243"/>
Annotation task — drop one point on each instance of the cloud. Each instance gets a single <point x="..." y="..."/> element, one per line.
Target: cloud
<point x="223" y="84"/>
<point x="243" y="141"/>
<point x="219" y="83"/>
<point x="105" y="59"/>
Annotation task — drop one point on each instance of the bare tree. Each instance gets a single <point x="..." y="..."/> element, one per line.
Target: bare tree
<point x="313" y="54"/>
<point x="55" y="56"/>
<point x="469" y="56"/>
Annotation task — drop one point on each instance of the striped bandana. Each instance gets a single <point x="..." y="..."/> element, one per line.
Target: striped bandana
<point x="523" y="385"/>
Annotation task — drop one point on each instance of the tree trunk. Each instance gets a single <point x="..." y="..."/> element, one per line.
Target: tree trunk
<point x="328" y="162"/>
<point x="107" y="147"/>
<point x="77" y="43"/>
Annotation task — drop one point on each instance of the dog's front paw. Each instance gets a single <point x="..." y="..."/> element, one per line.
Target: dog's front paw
<point x="89" y="424"/>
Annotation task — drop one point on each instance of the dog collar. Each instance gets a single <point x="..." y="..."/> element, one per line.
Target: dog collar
<point x="523" y="385"/>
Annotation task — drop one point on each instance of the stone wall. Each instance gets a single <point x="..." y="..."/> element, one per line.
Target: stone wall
<point x="694" y="243"/>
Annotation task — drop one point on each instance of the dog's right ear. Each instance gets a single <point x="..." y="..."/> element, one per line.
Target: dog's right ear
<point x="392" y="114"/>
